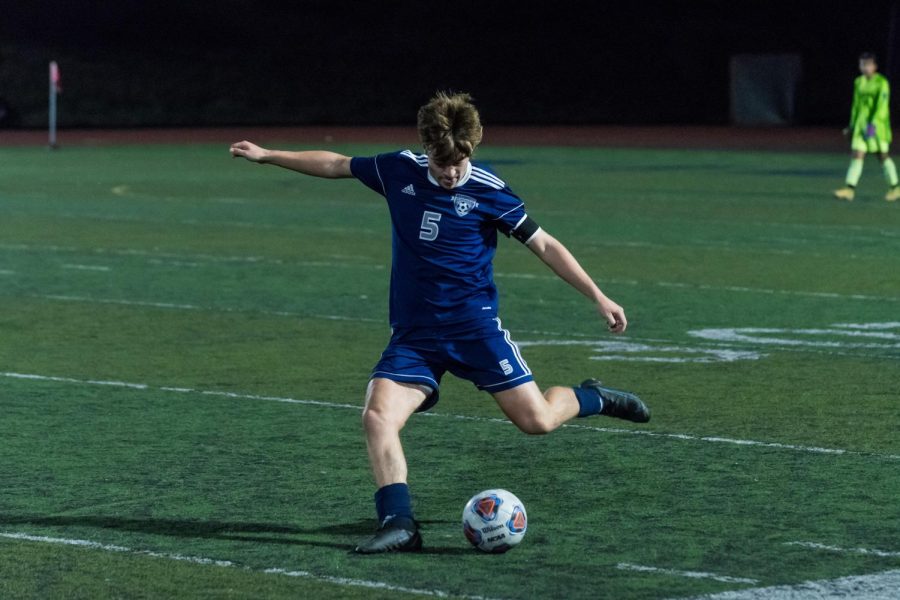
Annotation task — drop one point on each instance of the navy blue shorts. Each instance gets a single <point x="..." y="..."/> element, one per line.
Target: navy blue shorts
<point x="481" y="352"/>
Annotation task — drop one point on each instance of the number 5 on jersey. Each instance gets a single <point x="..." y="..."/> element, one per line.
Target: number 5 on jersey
<point x="429" y="229"/>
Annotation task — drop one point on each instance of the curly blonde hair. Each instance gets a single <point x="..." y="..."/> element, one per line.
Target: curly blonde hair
<point x="449" y="127"/>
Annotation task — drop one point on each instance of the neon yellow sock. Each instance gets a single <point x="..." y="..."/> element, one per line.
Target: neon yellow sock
<point x="854" y="172"/>
<point x="890" y="172"/>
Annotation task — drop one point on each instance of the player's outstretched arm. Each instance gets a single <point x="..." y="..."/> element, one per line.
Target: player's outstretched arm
<point x="560" y="260"/>
<point x="318" y="163"/>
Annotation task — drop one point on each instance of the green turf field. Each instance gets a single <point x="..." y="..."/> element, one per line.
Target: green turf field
<point x="197" y="334"/>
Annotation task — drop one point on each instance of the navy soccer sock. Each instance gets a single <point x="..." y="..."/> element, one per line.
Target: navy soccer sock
<point x="589" y="401"/>
<point x="393" y="501"/>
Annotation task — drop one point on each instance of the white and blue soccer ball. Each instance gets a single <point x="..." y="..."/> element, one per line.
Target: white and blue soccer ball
<point x="494" y="521"/>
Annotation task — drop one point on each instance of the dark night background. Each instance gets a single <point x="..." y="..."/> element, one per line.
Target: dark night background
<point x="130" y="62"/>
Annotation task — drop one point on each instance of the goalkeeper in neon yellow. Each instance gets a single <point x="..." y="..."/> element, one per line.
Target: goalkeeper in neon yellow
<point x="870" y="128"/>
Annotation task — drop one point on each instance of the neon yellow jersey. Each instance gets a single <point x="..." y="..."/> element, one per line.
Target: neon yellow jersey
<point x="871" y="98"/>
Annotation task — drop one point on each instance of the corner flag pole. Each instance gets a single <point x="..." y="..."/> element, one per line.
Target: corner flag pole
<point x="54" y="91"/>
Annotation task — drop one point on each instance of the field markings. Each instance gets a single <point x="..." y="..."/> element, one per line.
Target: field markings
<point x="839" y="550"/>
<point x="756" y="290"/>
<point x="78" y="267"/>
<point x="868" y="326"/>
<point x="173" y="305"/>
<point x="199" y="560"/>
<point x="610" y="430"/>
<point x="66" y="298"/>
<point x="733" y="441"/>
<point x="188" y="258"/>
<point x="637" y="351"/>
<point x="709" y="287"/>
<point x="706" y="351"/>
<point x="123" y="218"/>
<point x="841" y="229"/>
<point x="688" y="574"/>
<point x="875" y="586"/>
<point x="762" y="336"/>
<point x="757" y="244"/>
<point x="7" y="272"/>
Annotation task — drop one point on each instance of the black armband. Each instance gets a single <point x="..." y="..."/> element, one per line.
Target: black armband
<point x="526" y="230"/>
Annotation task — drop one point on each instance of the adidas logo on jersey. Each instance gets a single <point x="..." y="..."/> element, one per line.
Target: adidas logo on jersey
<point x="409" y="190"/>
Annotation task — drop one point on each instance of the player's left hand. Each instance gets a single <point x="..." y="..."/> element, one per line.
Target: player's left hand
<point x="613" y="314"/>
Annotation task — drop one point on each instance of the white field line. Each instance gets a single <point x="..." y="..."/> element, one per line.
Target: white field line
<point x="65" y="298"/>
<point x="199" y="560"/>
<point x="77" y="267"/>
<point x="839" y="550"/>
<point x="736" y="442"/>
<point x="193" y="258"/>
<point x="755" y="290"/>
<point x="188" y="259"/>
<point x="788" y="346"/>
<point x="629" y="348"/>
<point x="876" y="586"/>
<point x="688" y="574"/>
<point x="566" y="339"/>
<point x="707" y="287"/>
<point x="714" y="339"/>
<point x="612" y="430"/>
<point x="173" y="305"/>
<point x="865" y="326"/>
<point x="189" y="222"/>
<point x="7" y="272"/>
<point x="746" y="334"/>
<point x="839" y="229"/>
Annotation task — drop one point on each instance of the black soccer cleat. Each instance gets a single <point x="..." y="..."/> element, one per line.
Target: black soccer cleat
<point x="619" y="404"/>
<point x="399" y="534"/>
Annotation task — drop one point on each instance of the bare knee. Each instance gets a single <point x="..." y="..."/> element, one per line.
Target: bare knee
<point x="373" y="419"/>
<point x="389" y="404"/>
<point x="536" y="424"/>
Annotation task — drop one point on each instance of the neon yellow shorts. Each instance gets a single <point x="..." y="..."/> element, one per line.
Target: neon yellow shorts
<point x="872" y="145"/>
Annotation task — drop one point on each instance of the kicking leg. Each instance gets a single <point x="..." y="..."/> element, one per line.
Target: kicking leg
<point x="389" y="404"/>
<point x="536" y="413"/>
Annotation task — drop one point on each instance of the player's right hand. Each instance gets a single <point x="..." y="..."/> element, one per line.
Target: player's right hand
<point x="248" y="150"/>
<point x="845" y="131"/>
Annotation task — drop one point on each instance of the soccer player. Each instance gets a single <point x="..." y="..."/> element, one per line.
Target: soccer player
<point x="870" y="128"/>
<point x="446" y="212"/>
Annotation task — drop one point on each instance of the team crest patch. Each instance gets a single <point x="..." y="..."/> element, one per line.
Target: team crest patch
<point x="463" y="204"/>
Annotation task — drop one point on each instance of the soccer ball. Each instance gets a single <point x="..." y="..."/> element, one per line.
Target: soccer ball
<point x="494" y="521"/>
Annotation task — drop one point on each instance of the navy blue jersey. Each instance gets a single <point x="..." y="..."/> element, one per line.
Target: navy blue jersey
<point x="443" y="240"/>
